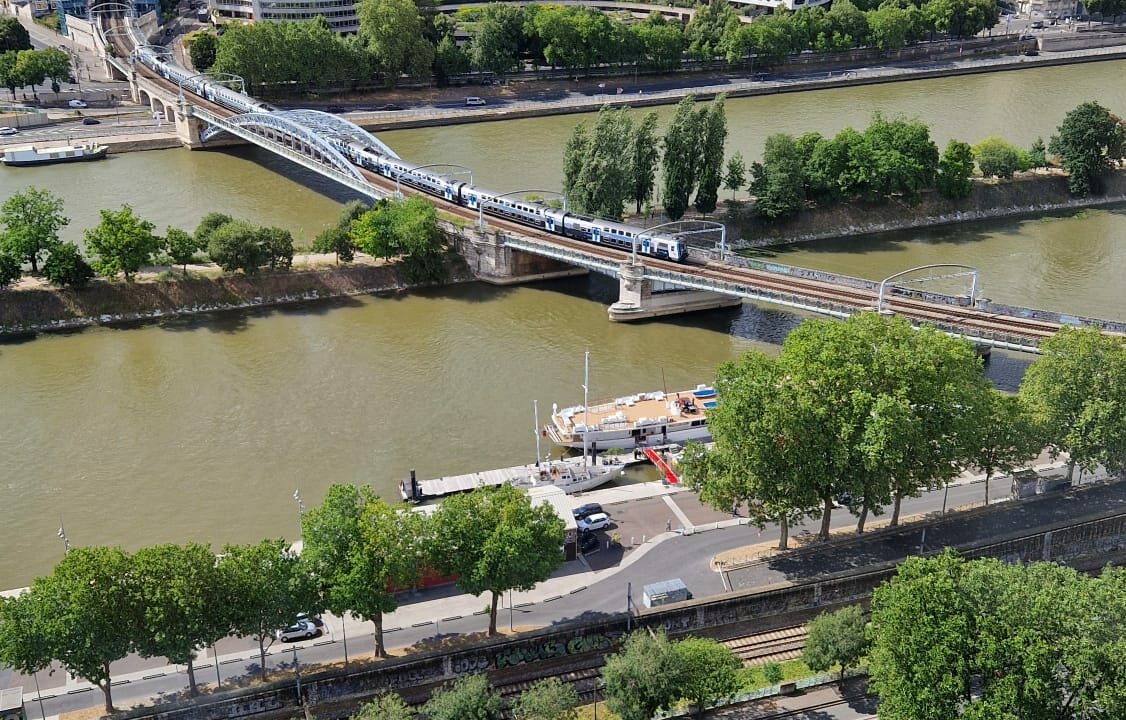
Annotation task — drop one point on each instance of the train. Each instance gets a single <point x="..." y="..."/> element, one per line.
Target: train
<point x="526" y="212"/>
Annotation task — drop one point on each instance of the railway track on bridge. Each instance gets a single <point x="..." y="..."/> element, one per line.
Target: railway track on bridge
<point x="817" y="293"/>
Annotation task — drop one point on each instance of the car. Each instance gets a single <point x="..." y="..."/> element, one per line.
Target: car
<point x="587" y="510"/>
<point x="77" y="104"/>
<point x="91" y="121"/>
<point x="306" y="617"/>
<point x="1031" y="52"/>
<point x="335" y="109"/>
<point x="300" y="630"/>
<point x="588" y="543"/>
<point x="597" y="521"/>
<point x="474" y="100"/>
<point x="8" y="131"/>
<point x="388" y="107"/>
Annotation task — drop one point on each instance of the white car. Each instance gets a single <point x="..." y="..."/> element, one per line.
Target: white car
<point x="597" y="521"/>
<point x="77" y="103"/>
<point x="8" y="131"/>
<point x="300" y="630"/>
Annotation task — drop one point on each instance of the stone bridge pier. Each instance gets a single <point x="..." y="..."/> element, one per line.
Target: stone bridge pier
<point x="637" y="301"/>
<point x="494" y="262"/>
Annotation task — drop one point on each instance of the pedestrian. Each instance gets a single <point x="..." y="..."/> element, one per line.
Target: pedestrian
<point x="668" y="525"/>
<point x="735" y="509"/>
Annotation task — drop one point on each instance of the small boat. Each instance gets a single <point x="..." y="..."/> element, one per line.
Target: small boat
<point x="633" y="421"/>
<point x="31" y="155"/>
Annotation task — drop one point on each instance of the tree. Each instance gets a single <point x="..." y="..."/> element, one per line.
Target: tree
<point x="500" y="29"/>
<point x="1076" y="395"/>
<point x="276" y="247"/>
<point x="778" y="183"/>
<point x="9" y="74"/>
<point x="997" y="158"/>
<point x="983" y="639"/>
<point x="962" y="18"/>
<point x="735" y="174"/>
<point x="122" y="242"/>
<point x="548" y="699"/>
<point x="709" y="671"/>
<point x="906" y="157"/>
<point x="9" y="269"/>
<point x="56" y="65"/>
<point x="386" y="706"/>
<point x="392" y="31"/>
<point x="265" y="586"/>
<point x="682" y="157"/>
<point x="182" y="247"/>
<point x="494" y="540"/>
<point x="363" y="551"/>
<point x="1089" y="142"/>
<point x="203" y="48"/>
<point x="643" y="677"/>
<point x="406" y="229"/>
<point x="848" y="25"/>
<point x="24" y="643"/>
<point x="179" y="589"/>
<point x="714" y="135"/>
<point x="888" y="27"/>
<point x="208" y="224"/>
<point x="835" y="639"/>
<point x="1037" y="155"/>
<point x="13" y="35"/>
<point x="65" y="266"/>
<point x="705" y="30"/>
<point x="31" y="67"/>
<point x="1006" y="438"/>
<point x="955" y="168"/>
<point x="88" y="612"/>
<point x="645" y="152"/>
<point x="467" y="698"/>
<point x="596" y="180"/>
<point x="235" y="245"/>
<point x="32" y="220"/>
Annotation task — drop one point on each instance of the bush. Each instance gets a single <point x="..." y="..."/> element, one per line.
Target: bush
<point x="66" y="266"/>
<point x="772" y="671"/>
<point x="9" y="269"/>
<point x="997" y="158"/>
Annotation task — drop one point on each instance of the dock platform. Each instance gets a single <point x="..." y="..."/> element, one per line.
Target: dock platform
<point x="519" y="475"/>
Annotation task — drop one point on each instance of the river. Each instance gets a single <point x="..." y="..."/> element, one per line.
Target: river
<point x="202" y="429"/>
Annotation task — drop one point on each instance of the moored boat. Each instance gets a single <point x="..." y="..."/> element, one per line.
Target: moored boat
<point x="31" y="155"/>
<point x="571" y="475"/>
<point x="634" y="421"/>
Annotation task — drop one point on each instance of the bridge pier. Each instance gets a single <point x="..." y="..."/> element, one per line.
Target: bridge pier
<point x="636" y="300"/>
<point x="493" y="262"/>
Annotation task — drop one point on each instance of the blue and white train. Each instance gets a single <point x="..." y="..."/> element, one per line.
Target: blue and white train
<point x="559" y="222"/>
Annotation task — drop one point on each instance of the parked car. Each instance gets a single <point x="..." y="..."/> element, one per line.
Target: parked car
<point x="587" y="510"/>
<point x="597" y="521"/>
<point x="91" y="121"/>
<point x="300" y="630"/>
<point x="320" y="624"/>
<point x="474" y="100"/>
<point x="77" y="103"/>
<point x="389" y="107"/>
<point x="588" y="543"/>
<point x="8" y="131"/>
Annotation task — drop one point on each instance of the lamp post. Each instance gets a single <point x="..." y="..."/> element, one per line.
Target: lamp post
<point x="39" y="695"/>
<point x="297" y="674"/>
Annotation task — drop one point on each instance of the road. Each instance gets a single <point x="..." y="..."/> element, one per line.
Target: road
<point x="685" y="557"/>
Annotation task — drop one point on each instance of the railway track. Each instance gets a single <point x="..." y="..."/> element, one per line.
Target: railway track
<point x="809" y="289"/>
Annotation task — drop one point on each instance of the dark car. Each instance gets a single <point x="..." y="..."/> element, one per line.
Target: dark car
<point x="317" y="622"/>
<point x="335" y="109"/>
<point x="91" y="121"/>
<point x="389" y="107"/>
<point x="587" y="510"/>
<point x="1031" y="52"/>
<point x="588" y="543"/>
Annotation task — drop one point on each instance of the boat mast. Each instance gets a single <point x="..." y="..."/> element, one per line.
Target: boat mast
<point x="536" y="428"/>
<point x="586" y="403"/>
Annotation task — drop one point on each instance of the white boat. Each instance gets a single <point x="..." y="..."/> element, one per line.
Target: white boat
<point x="31" y="155"/>
<point x="571" y="475"/>
<point x="633" y="421"/>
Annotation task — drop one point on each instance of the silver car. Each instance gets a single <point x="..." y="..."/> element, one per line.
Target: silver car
<point x="300" y="630"/>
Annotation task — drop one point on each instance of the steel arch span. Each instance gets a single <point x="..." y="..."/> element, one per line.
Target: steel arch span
<point x="337" y="128"/>
<point x="285" y="126"/>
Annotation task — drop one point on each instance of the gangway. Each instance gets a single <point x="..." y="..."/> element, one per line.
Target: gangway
<point x="654" y="457"/>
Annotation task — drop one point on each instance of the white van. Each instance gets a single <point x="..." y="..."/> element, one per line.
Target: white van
<point x="474" y="100"/>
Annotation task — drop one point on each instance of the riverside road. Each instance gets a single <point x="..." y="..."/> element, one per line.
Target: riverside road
<point x="431" y="616"/>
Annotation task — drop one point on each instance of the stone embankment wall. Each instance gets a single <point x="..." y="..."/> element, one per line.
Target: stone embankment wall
<point x="335" y="694"/>
<point x="28" y="311"/>
<point x="1032" y="193"/>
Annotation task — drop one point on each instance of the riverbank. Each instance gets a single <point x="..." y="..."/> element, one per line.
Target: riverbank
<point x="1031" y="193"/>
<point x="37" y="307"/>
